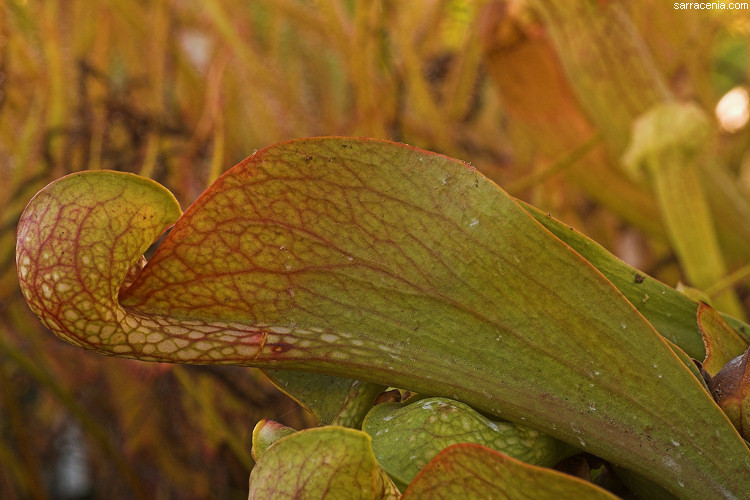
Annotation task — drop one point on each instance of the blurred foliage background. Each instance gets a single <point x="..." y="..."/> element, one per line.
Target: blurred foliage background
<point x="539" y="95"/>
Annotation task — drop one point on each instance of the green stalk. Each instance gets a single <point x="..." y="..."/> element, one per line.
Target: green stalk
<point x="667" y="142"/>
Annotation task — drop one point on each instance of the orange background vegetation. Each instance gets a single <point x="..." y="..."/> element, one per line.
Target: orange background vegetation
<point x="539" y="95"/>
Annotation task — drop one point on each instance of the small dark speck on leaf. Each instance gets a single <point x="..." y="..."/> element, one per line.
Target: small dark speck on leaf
<point x="549" y="215"/>
<point x="639" y="278"/>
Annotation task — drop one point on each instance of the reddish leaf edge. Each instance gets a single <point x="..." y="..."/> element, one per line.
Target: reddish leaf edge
<point x="497" y="459"/>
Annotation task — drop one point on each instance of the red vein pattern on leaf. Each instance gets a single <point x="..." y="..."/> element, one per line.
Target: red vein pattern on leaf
<point x="441" y="284"/>
<point x="289" y="226"/>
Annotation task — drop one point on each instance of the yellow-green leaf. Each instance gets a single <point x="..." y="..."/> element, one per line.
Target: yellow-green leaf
<point x="325" y="462"/>
<point x="472" y="471"/>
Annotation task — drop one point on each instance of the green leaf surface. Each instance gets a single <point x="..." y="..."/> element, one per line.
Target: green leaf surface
<point x="642" y="488"/>
<point x="721" y="340"/>
<point x="688" y="362"/>
<point x="331" y="400"/>
<point x="321" y="395"/>
<point x="322" y="463"/>
<point x="471" y="471"/>
<point x="358" y="403"/>
<point x="406" y="437"/>
<point x="376" y="261"/>
<point x="671" y="312"/>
